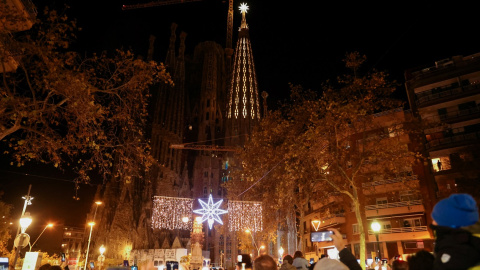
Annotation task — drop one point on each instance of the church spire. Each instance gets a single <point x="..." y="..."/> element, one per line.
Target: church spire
<point x="243" y="10"/>
<point x="243" y="108"/>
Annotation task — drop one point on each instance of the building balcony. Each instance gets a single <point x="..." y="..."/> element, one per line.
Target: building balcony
<point x="316" y="208"/>
<point x="399" y="234"/>
<point x="18" y="15"/>
<point x="453" y="141"/>
<point x="456" y="116"/>
<point x="429" y="98"/>
<point x="389" y="185"/>
<point x="395" y="208"/>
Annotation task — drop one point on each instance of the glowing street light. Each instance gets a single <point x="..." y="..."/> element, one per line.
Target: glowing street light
<point x="102" y="250"/>
<point x="101" y="258"/>
<point x="376" y="229"/>
<point x="254" y="243"/>
<point x="280" y="253"/>
<point x="316" y="223"/>
<point x="96" y="207"/>
<point x="25" y="221"/>
<point x="88" y="246"/>
<point x="48" y="225"/>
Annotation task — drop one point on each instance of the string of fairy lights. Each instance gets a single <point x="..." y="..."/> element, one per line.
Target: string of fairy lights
<point x="245" y="215"/>
<point x="174" y="213"/>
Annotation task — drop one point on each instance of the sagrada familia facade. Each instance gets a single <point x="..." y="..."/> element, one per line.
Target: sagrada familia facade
<point x="215" y="102"/>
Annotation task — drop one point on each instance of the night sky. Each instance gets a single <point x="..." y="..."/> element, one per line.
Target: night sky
<point x="293" y="42"/>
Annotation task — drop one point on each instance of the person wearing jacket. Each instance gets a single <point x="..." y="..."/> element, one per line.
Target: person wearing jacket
<point x="457" y="233"/>
<point x="287" y="263"/>
<point x="346" y="257"/>
<point x="299" y="261"/>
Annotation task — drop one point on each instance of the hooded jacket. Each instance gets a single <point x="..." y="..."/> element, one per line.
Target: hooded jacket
<point x="456" y="248"/>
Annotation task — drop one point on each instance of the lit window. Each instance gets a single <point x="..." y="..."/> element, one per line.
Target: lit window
<point x="412" y="222"/>
<point x="382" y="200"/>
<point x="441" y="164"/>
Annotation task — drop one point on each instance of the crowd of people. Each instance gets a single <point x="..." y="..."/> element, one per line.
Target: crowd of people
<point x="456" y="228"/>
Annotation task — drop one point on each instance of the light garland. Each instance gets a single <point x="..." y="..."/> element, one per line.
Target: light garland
<point x="171" y="212"/>
<point x="210" y="211"/>
<point x="245" y="215"/>
<point x="168" y="213"/>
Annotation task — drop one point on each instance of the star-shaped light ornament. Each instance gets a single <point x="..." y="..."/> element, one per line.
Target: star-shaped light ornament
<point x="243" y="8"/>
<point x="210" y="211"/>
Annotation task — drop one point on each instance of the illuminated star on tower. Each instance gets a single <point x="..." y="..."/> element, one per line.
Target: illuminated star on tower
<point x="243" y="8"/>
<point x="210" y="211"/>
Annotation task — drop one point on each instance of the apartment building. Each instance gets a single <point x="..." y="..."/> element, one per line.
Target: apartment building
<point x="446" y="96"/>
<point x="401" y="203"/>
<point x="72" y="243"/>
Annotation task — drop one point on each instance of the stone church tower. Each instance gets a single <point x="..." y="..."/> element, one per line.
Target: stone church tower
<point x="204" y="108"/>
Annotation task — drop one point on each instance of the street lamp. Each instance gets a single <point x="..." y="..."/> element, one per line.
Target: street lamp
<point x="376" y="229"/>
<point x="254" y="243"/>
<point x="261" y="247"/>
<point x="96" y="207"/>
<point x="101" y="258"/>
<point x="88" y="245"/>
<point x="25" y="221"/>
<point x="48" y="225"/>
<point x="316" y="223"/>
<point x="280" y="252"/>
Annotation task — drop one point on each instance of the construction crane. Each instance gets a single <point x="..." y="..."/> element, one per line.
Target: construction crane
<point x="228" y="44"/>
<point x="156" y="3"/>
<point x="191" y="146"/>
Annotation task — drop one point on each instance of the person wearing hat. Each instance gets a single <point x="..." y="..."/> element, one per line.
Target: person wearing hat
<point x="457" y="233"/>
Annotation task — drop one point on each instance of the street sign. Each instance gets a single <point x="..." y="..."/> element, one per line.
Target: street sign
<point x="21" y="240"/>
<point x="32" y="260"/>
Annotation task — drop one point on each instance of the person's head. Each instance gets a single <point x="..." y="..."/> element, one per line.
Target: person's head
<point x="422" y="260"/>
<point x="288" y="258"/>
<point x="245" y="260"/>
<point x="399" y="265"/>
<point x="297" y="254"/>
<point x="329" y="264"/>
<point x="264" y="262"/>
<point x="323" y="256"/>
<point x="456" y="211"/>
<point x="45" y="266"/>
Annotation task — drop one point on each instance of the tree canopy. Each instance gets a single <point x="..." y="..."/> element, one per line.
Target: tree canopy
<point x="84" y="112"/>
<point x="320" y="145"/>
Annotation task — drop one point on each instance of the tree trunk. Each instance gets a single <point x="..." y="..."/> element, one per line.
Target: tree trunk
<point x="358" y="215"/>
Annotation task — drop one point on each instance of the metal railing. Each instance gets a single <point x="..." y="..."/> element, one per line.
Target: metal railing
<point x="447" y="92"/>
<point x="390" y="181"/>
<point x="401" y="230"/>
<point x="393" y="205"/>
<point x="473" y="136"/>
<point x="453" y="114"/>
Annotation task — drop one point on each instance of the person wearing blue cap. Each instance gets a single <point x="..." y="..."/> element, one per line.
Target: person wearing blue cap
<point x="457" y="233"/>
